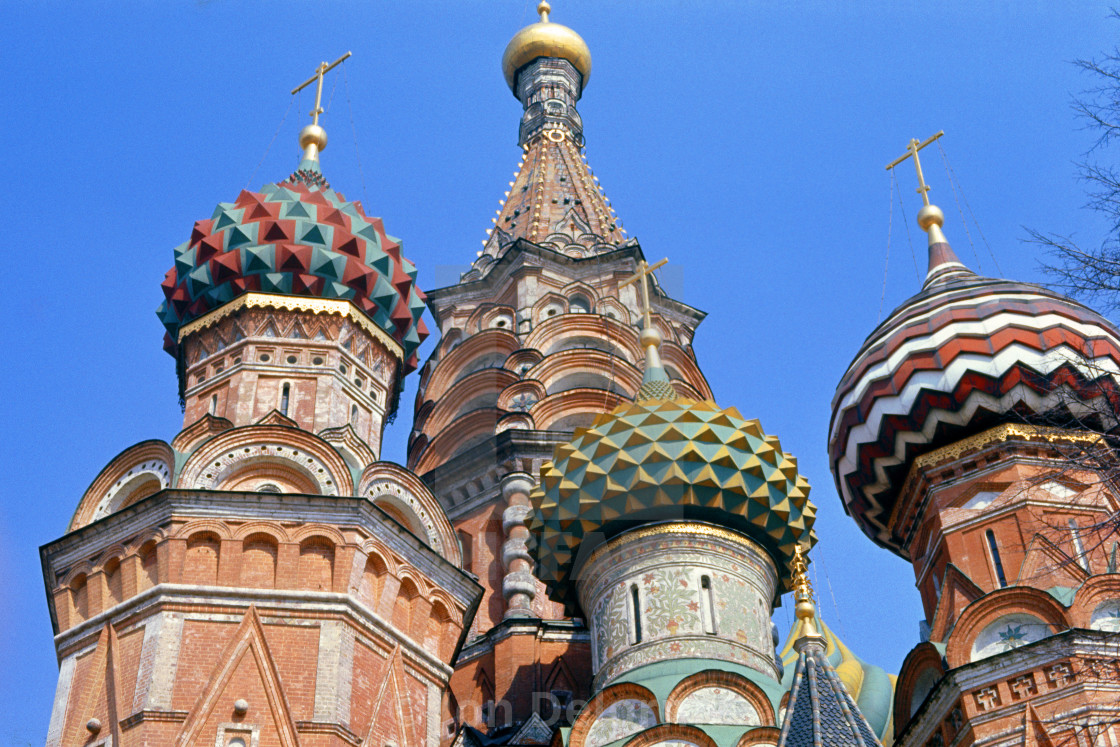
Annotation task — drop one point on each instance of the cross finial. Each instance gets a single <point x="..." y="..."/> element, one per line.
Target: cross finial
<point x="655" y="382"/>
<point x="912" y="152"/>
<point x="642" y="275"/>
<point x="313" y="138"/>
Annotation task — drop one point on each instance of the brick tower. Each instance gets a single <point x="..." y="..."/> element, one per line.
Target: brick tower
<point x="966" y="438"/>
<point x="536" y="340"/>
<point x="263" y="579"/>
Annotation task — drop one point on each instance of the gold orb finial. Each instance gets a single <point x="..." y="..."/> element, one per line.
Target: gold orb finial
<point x="313" y="139"/>
<point x="545" y="39"/>
<point x="930" y="215"/>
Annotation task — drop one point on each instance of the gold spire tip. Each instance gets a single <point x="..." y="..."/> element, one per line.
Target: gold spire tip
<point x="543" y="9"/>
<point x="804" y="608"/>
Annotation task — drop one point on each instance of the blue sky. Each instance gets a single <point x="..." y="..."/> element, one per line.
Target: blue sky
<point x="745" y="141"/>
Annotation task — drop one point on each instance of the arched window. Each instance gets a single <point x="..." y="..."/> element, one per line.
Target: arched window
<point x="708" y="605"/>
<point x="636" y="609"/>
<point x="353" y="414"/>
<point x="1078" y="547"/>
<point x="579" y="304"/>
<point x="993" y="548"/>
<point x="284" y="396"/>
<point x="213" y="404"/>
<point x="466" y="542"/>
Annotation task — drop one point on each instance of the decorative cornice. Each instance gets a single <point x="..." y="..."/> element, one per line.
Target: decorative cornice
<point x="293" y="303"/>
<point x="999" y="434"/>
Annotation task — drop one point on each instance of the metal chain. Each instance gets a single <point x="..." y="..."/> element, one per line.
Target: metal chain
<point x="887" y="261"/>
<point x="252" y="176"/>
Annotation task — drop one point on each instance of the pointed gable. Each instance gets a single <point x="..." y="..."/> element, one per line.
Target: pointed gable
<point x="97" y="699"/>
<point x="392" y="709"/>
<point x="246" y="671"/>
<point x="1045" y="565"/>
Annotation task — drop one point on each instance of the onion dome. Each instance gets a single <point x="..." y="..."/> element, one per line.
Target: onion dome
<point x="545" y="39"/>
<point x="663" y="457"/>
<point x="964" y="354"/>
<point x="297" y="237"/>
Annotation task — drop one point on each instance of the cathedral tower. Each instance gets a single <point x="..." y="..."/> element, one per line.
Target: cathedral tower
<point x="966" y="437"/>
<point x="537" y="338"/>
<point x="262" y="579"/>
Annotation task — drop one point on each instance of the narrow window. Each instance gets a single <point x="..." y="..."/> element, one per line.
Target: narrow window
<point x="936" y="586"/>
<point x="635" y="606"/>
<point x="467" y="543"/>
<point x="994" y="549"/>
<point x="213" y="404"/>
<point x="1075" y="535"/>
<point x="287" y="390"/>
<point x="709" y="605"/>
<point x="353" y="414"/>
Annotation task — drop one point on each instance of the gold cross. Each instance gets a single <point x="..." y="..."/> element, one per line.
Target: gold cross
<point x="318" y="76"/>
<point x="912" y="151"/>
<point x="644" y="271"/>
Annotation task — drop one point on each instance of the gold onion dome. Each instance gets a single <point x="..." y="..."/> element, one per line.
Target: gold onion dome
<point x="657" y="459"/>
<point x="545" y="39"/>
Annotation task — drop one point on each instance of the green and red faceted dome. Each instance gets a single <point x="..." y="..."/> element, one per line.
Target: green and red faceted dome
<point x="298" y="238"/>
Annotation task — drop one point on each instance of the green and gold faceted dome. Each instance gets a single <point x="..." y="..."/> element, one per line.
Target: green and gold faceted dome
<point x="663" y="459"/>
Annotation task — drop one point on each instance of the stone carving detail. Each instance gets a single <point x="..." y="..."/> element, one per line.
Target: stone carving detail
<point x="717" y="705"/>
<point x="619" y="720"/>
<point x="1059" y="675"/>
<point x="1023" y="686"/>
<point x="987" y="698"/>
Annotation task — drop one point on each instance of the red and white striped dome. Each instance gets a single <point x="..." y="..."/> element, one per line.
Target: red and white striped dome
<point x="964" y="354"/>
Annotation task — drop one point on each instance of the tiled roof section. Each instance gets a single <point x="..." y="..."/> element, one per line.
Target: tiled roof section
<point x="298" y="237"/>
<point x="821" y="712"/>
<point x="869" y="684"/>
<point x="964" y="354"/>
<point x="554" y="201"/>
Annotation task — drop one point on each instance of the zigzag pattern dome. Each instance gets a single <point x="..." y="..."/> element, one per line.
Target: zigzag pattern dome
<point x="961" y="356"/>
<point x="675" y="459"/>
<point x="298" y="237"/>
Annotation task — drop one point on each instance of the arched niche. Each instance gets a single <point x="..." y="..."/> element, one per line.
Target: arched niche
<point x="136" y="473"/>
<point x="1007" y="633"/>
<point x="408" y="501"/>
